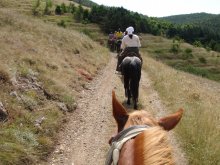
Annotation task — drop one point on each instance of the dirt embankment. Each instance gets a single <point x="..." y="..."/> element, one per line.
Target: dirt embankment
<point x="85" y="138"/>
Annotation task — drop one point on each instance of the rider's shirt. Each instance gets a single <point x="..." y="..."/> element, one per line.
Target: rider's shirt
<point x="119" y="34"/>
<point x="130" y="42"/>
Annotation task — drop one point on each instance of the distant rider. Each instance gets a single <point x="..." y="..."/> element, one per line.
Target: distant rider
<point x="130" y="46"/>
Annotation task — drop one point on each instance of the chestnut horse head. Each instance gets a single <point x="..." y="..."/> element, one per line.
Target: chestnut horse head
<point x="149" y="146"/>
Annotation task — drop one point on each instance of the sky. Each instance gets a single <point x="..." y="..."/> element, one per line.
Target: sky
<point x="161" y="8"/>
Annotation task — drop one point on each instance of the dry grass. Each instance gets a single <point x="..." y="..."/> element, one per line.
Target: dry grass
<point x="43" y="64"/>
<point x="199" y="130"/>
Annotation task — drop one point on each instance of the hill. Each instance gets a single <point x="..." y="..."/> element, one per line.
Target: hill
<point x="189" y="18"/>
<point x="86" y="3"/>
<point x="204" y="20"/>
<point x="42" y="70"/>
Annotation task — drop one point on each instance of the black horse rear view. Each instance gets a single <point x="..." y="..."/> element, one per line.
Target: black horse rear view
<point x="131" y="69"/>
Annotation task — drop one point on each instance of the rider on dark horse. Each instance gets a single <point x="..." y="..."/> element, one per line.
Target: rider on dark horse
<point x="130" y="47"/>
<point x="119" y="36"/>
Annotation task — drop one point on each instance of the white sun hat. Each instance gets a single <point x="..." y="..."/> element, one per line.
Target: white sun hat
<point x="130" y="30"/>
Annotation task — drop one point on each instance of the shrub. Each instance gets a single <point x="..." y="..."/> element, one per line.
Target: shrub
<point x="62" y="23"/>
<point x="58" y="10"/>
<point x="48" y="6"/>
<point x="72" y="8"/>
<point x="202" y="60"/>
<point x="63" y="8"/>
<point x="196" y="71"/>
<point x="158" y="51"/>
<point x="36" y="8"/>
<point x="187" y="54"/>
<point x="175" y="47"/>
<point x="197" y="44"/>
<point x="208" y="49"/>
<point x="87" y="32"/>
<point x="188" y="50"/>
<point x="4" y="76"/>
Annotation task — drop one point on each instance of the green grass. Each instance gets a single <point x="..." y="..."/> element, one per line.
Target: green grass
<point x="187" y="58"/>
<point x="22" y="142"/>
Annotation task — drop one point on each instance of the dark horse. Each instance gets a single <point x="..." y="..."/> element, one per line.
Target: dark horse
<point x="131" y="69"/>
<point x="118" y="45"/>
<point x="111" y="44"/>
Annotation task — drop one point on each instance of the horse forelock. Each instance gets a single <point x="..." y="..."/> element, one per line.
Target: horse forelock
<point x="152" y="146"/>
<point x="140" y="118"/>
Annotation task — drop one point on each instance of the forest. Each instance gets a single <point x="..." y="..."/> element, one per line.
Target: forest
<point x="199" y="29"/>
<point x="112" y="18"/>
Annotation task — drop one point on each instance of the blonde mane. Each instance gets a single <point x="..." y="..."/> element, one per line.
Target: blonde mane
<point x="152" y="146"/>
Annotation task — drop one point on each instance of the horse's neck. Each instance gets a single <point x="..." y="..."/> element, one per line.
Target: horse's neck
<point x="148" y="148"/>
<point x="127" y="153"/>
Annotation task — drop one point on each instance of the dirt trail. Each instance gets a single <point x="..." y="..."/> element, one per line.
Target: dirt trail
<point x="85" y="138"/>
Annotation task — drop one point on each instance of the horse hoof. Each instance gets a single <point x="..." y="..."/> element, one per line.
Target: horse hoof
<point x="135" y="107"/>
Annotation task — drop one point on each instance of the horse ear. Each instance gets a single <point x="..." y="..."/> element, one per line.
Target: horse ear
<point x="119" y="112"/>
<point x="169" y="122"/>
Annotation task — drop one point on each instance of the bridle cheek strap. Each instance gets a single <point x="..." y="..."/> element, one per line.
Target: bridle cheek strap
<point x="120" y="139"/>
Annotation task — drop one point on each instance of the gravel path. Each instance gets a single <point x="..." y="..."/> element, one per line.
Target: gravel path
<point x="84" y="141"/>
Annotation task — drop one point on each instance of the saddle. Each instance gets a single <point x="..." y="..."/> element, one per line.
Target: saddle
<point x="129" y="51"/>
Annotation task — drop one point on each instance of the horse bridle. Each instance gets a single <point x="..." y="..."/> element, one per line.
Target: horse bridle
<point x="118" y="141"/>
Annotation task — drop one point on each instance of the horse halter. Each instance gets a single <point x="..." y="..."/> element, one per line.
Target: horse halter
<point x="120" y="139"/>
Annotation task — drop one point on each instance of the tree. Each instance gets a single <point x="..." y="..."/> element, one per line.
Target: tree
<point x="63" y="8"/>
<point x="48" y="6"/>
<point x="58" y="10"/>
<point x="85" y="15"/>
<point x="72" y="8"/>
<point x="78" y="15"/>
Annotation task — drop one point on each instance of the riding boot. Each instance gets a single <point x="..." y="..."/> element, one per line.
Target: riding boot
<point x="118" y="67"/>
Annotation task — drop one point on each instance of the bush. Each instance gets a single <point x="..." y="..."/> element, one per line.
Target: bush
<point x="188" y="50"/>
<point x="36" y="8"/>
<point x="202" y="60"/>
<point x="4" y="76"/>
<point x="196" y="71"/>
<point x="175" y="47"/>
<point x="72" y="8"/>
<point x="197" y="44"/>
<point x="48" y="6"/>
<point x="63" y="8"/>
<point x="158" y="51"/>
<point x="187" y="54"/>
<point x="62" y="23"/>
<point x="58" y="10"/>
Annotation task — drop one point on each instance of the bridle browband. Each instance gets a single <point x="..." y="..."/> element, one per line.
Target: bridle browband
<point x="118" y="141"/>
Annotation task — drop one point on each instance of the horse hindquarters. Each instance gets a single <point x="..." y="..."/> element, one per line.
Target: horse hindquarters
<point x="131" y="69"/>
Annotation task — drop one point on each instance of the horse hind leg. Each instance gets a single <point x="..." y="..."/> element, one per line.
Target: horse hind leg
<point x="135" y="104"/>
<point x="128" y="102"/>
<point x="129" y="97"/>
